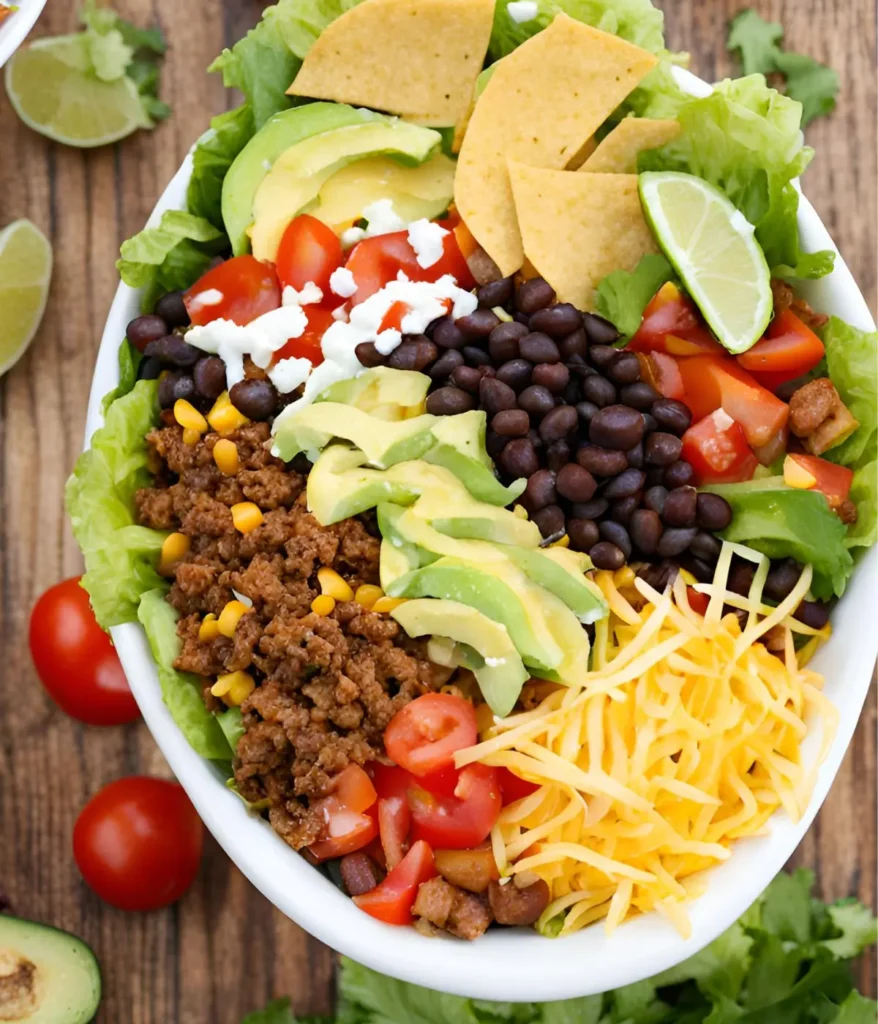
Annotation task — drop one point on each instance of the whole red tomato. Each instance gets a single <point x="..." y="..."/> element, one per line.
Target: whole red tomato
<point x="75" y="660"/>
<point x="137" y="843"/>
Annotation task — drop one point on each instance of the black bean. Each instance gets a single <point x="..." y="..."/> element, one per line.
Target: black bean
<point x="534" y="294"/>
<point x="503" y="341"/>
<point x="511" y="423"/>
<point x="494" y="443"/>
<point x="448" y="361"/>
<point x="575" y="344"/>
<point x="572" y="392"/>
<point x="628" y="482"/>
<point x="601" y="461"/>
<point x="655" y="499"/>
<point x="662" y="449"/>
<point x="175" y="384"/>
<point x="812" y="613"/>
<point x="624" y="369"/>
<point x="593" y="509"/>
<point x="521" y="318"/>
<point x="658" y="576"/>
<point x="678" y="474"/>
<point x="575" y="483"/>
<point x="536" y="400"/>
<point x="578" y="366"/>
<point x="478" y="324"/>
<point x="620" y="511"/>
<point x="368" y="355"/>
<point x="655" y="475"/>
<point x="599" y="390"/>
<point x="635" y="456"/>
<point x="466" y="377"/>
<point x="449" y="401"/>
<point x="639" y="395"/>
<point x="616" y="426"/>
<point x="646" y="529"/>
<point x="150" y="369"/>
<point x="475" y="356"/>
<point x="599" y="331"/>
<point x="535" y="438"/>
<point x="550" y="521"/>
<point x="497" y="293"/>
<point x="516" y="373"/>
<point x="256" y="399"/>
<point x="674" y="541"/>
<point x="616" y="534"/>
<point x="701" y="570"/>
<point x="601" y="356"/>
<point x="413" y="354"/>
<point x="706" y="547"/>
<point x="583" y="534"/>
<point x="741" y="575"/>
<point x="649" y="423"/>
<point x="557" y="321"/>
<point x="713" y="512"/>
<point x="554" y="376"/>
<point x="495" y="396"/>
<point x="671" y="415"/>
<point x="518" y="458"/>
<point x="447" y="335"/>
<point x="539" y="348"/>
<point x="209" y="376"/>
<point x="781" y="579"/>
<point x="605" y="555"/>
<point x="172" y="309"/>
<point x="680" y="507"/>
<point x="540" y="490"/>
<point x="144" y="329"/>
<point x="558" y="423"/>
<point x="586" y="411"/>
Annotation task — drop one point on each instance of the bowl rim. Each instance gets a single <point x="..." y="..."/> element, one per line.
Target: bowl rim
<point x="14" y="31"/>
<point x="507" y="964"/>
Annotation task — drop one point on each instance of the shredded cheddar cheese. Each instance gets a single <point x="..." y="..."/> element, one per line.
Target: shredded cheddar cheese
<point x="683" y="736"/>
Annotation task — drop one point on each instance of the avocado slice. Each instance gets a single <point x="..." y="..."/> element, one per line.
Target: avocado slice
<point x="479" y="481"/>
<point x="502" y="674"/>
<point x="46" y="976"/>
<point x="466" y="433"/>
<point x="340" y="486"/>
<point x="398" y="554"/>
<point x="565" y="578"/>
<point x="282" y="168"/>
<point x="384" y="393"/>
<point x="571" y="637"/>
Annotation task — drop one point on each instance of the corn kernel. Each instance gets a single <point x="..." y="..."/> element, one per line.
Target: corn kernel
<point x="224" y="417"/>
<point x="334" y="585"/>
<point x="796" y="475"/>
<point x="387" y="604"/>
<point x="225" y="455"/>
<point x="520" y="511"/>
<point x="209" y="628"/>
<point x="323" y="605"/>
<point x="188" y="416"/>
<point x="367" y="595"/>
<point x="191" y="436"/>
<point x="561" y="542"/>
<point x="624" y="577"/>
<point x="246" y="516"/>
<point x="174" y="547"/>
<point x="233" y="688"/>
<point x="229" y="617"/>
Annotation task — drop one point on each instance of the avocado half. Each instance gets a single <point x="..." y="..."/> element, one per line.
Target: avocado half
<point x="46" y="976"/>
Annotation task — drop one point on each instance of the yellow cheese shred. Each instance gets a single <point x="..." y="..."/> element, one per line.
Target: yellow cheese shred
<point x="683" y="737"/>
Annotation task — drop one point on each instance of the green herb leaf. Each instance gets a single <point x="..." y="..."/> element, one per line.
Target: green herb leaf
<point x="622" y="296"/>
<point x="857" y="927"/>
<point x="756" y="40"/>
<point x="857" y="1009"/>
<point x="211" y="159"/>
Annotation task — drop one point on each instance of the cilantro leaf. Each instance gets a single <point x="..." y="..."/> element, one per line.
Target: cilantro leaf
<point x="811" y="83"/>
<point x="623" y="296"/>
<point x="857" y="925"/>
<point x="857" y="1009"/>
<point x="756" y="40"/>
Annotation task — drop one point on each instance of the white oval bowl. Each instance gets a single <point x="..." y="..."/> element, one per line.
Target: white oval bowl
<point x="510" y="964"/>
<point x="16" y="27"/>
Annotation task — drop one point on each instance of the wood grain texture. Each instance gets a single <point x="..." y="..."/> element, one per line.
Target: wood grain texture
<point x="223" y="950"/>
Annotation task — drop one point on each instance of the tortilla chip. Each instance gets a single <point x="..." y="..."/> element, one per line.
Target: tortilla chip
<point x="540" y="105"/>
<point x="618" y="152"/>
<point x="577" y="228"/>
<point x="415" y="58"/>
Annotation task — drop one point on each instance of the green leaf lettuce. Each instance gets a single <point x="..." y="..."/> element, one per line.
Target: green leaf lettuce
<point x="622" y="296"/>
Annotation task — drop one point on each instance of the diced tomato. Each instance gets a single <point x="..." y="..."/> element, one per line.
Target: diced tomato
<point x="389" y="779"/>
<point x="718" y="382"/>
<point x="789" y="350"/>
<point x="309" y="251"/>
<point x="513" y="787"/>
<point x="716" y="448"/>
<point x="307" y="345"/>
<point x="671" y="324"/>
<point x="347" y="830"/>
<point x="831" y="480"/>
<point x="425" y="734"/>
<point x="662" y="372"/>
<point x="243" y="287"/>
<point x="394" y="824"/>
<point x="355" y="789"/>
<point x="393" y="317"/>
<point x="392" y="900"/>
<point x="460" y="821"/>
<point x="697" y="602"/>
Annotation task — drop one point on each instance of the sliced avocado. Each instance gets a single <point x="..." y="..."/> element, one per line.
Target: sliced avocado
<point x="398" y="555"/>
<point x="444" y="651"/>
<point x="311" y="428"/>
<point x="570" y="636"/>
<point x="566" y="580"/>
<point x="503" y="673"/>
<point x="46" y="976"/>
<point x="384" y="393"/>
<point x="340" y="486"/>
<point x="412" y="528"/>
<point x="465" y="432"/>
<point x="479" y="481"/>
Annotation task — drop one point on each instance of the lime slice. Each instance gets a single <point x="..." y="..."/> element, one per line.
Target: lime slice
<point x="25" y="272"/>
<point x="712" y="247"/>
<point x="52" y="90"/>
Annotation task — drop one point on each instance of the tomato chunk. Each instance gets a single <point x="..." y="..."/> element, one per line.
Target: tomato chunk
<point x="425" y="734"/>
<point x="394" y="824"/>
<point x="671" y="324"/>
<point x="713" y="383"/>
<point x="513" y="787"/>
<point x="789" y="350"/>
<point x="392" y="900"/>
<point x="662" y="372"/>
<point x="460" y="821"/>
<point x="348" y="830"/>
<point x="308" y="345"/>
<point x="831" y="480"/>
<point x="309" y="252"/>
<point x="716" y="448"/>
<point x="240" y="290"/>
<point x="355" y="789"/>
<point x="698" y="602"/>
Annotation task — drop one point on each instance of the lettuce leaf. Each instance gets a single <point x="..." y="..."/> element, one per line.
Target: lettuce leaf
<point x="129" y="359"/>
<point x="211" y="159"/>
<point x="119" y="556"/>
<point x="852" y="362"/>
<point x="746" y="139"/>
<point x="864" y="494"/>
<point x="181" y="691"/>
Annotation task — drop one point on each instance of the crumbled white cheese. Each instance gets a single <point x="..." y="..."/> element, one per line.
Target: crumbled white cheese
<point x="427" y="239"/>
<point x="209" y="297"/>
<point x="741" y="224"/>
<point x="340" y="313"/>
<point x="722" y="421"/>
<point x="522" y="10"/>
<point x="351" y="236"/>
<point x="308" y="296"/>
<point x="381" y="218"/>
<point x="288" y="374"/>
<point x="342" y="282"/>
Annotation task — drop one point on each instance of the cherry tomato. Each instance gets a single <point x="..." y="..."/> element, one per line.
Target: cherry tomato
<point x="348" y="830"/>
<point x="513" y="787"/>
<point x="355" y="789"/>
<point x="394" y="824"/>
<point x="308" y="344"/>
<point x="392" y="900"/>
<point x="425" y="734"/>
<point x="698" y="602"/>
<point x="138" y="842"/>
<point x="461" y="821"/>
<point x="718" y="382"/>
<point x="671" y="324"/>
<point x="662" y="372"/>
<point x="789" y="350"/>
<point x="831" y="480"/>
<point x="244" y="289"/>
<point x="716" y="448"/>
<point x="76" y="661"/>
<point x="309" y="251"/>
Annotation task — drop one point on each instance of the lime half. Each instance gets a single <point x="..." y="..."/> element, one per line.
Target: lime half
<point x="712" y="247"/>
<point x="25" y="273"/>
<point x="52" y="90"/>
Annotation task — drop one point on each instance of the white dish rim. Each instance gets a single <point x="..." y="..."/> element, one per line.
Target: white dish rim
<point x="14" y="30"/>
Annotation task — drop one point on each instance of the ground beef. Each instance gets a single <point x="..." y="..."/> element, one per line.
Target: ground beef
<point x="326" y="685"/>
<point x="455" y="910"/>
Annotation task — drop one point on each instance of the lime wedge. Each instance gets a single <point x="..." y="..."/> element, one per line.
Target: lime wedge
<point x="52" y="90"/>
<point x="712" y="247"/>
<point x="25" y="273"/>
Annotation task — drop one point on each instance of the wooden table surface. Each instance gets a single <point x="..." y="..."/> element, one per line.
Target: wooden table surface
<point x="224" y="950"/>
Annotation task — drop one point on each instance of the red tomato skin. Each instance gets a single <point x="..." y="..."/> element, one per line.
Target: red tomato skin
<point x="832" y="481"/>
<point x="789" y="350"/>
<point x="513" y="787"/>
<point x="309" y="251"/>
<point x="75" y="660"/>
<point x="424" y="735"/>
<point x="355" y="789"/>
<point x="363" y="829"/>
<point x="698" y="602"/>
<point x="718" y="455"/>
<point x="394" y="825"/>
<point x="309" y="344"/>
<point x="249" y="289"/>
<point x="662" y="372"/>
<point x="137" y="843"/>
<point x="462" y="821"/>
<point x="671" y="324"/>
<point x="393" y="899"/>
